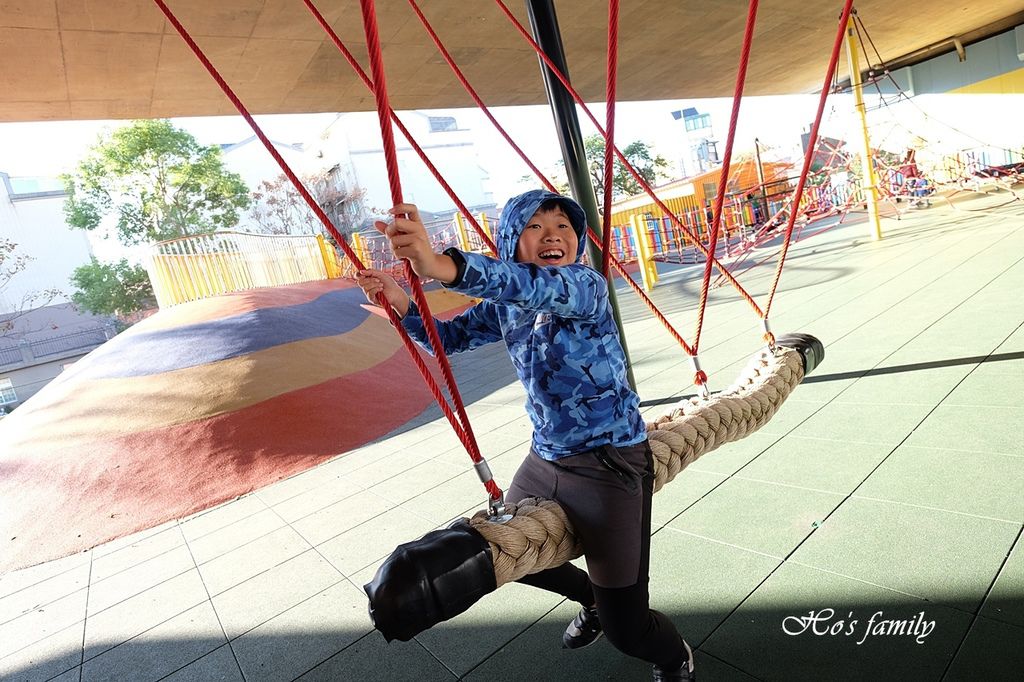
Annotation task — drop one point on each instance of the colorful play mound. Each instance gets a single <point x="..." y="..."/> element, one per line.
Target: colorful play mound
<point x="196" y="405"/>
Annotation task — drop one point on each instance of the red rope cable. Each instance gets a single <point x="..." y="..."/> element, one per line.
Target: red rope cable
<point x="618" y="153"/>
<point x="391" y="160"/>
<point x="809" y="155"/>
<point x="617" y="264"/>
<point x="314" y="206"/>
<point x="350" y="58"/>
<point x="609" y="155"/>
<point x="380" y="95"/>
<point x="716" y="222"/>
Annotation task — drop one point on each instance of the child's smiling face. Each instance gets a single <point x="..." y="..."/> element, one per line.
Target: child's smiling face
<point x="548" y="239"/>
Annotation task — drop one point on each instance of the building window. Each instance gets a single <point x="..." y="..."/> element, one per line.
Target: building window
<point x="7" y="394"/>
<point x="697" y="122"/>
<point x="442" y="124"/>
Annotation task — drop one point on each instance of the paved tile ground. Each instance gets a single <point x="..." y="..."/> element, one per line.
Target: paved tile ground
<point x="889" y="488"/>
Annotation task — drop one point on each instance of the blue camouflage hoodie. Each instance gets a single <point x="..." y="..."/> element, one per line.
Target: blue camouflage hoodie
<point x="560" y="334"/>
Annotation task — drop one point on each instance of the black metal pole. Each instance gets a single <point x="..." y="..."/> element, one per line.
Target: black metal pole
<point x="544" y="24"/>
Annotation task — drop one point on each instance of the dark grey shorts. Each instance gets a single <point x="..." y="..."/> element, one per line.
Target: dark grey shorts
<point x="603" y="493"/>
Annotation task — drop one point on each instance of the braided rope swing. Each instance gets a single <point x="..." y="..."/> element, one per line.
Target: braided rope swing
<point x="539" y="535"/>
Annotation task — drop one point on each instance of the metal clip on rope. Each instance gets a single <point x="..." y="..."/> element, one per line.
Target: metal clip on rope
<point x="496" y="505"/>
<point x="769" y="337"/>
<point x="705" y="392"/>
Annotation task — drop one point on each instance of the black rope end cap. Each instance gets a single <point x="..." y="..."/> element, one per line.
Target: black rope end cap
<point x="812" y="351"/>
<point x="430" y="580"/>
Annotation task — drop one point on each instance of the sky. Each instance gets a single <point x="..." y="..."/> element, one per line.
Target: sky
<point x="946" y="121"/>
<point x="51" y="148"/>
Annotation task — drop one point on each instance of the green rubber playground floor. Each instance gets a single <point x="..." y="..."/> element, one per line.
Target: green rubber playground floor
<point x="871" y="531"/>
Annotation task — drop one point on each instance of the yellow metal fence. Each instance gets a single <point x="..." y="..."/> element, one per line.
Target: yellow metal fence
<point x="200" y="266"/>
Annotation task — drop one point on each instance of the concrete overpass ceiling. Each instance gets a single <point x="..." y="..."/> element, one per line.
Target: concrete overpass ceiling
<point x="92" y="59"/>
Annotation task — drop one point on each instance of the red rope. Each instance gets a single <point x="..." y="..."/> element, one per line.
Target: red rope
<point x="809" y="155"/>
<point x="350" y="58"/>
<point x="609" y="155"/>
<point x="391" y="160"/>
<point x="618" y="153"/>
<point x="716" y="222"/>
<point x="644" y="297"/>
<point x="328" y="225"/>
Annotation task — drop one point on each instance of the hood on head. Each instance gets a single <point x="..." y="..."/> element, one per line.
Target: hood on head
<point x="518" y="211"/>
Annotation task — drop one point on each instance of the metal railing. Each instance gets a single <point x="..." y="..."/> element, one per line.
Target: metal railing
<point x="375" y="253"/>
<point x="10" y="355"/>
<point x="26" y="352"/>
<point x="86" y="338"/>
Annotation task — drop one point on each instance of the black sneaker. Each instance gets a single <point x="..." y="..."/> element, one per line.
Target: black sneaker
<point x="684" y="673"/>
<point x="584" y="630"/>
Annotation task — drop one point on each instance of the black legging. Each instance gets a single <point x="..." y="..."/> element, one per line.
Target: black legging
<point x="625" y="614"/>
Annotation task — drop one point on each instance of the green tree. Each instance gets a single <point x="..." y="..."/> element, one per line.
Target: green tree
<point x="647" y="164"/>
<point x="159" y="183"/>
<point x="112" y="288"/>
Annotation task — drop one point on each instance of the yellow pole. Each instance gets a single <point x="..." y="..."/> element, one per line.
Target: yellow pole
<point x="463" y="235"/>
<point x="329" y="266"/>
<point x="868" y="182"/>
<point x="360" y="248"/>
<point x="643" y="257"/>
<point x="652" y="267"/>
<point x="486" y="225"/>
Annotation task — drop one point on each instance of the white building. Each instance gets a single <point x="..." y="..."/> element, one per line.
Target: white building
<point x="699" y="141"/>
<point x="32" y="217"/>
<point x="250" y="159"/>
<point x="353" y="141"/>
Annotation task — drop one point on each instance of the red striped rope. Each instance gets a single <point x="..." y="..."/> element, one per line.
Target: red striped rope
<point x="716" y="222"/>
<point x="391" y="160"/>
<point x="809" y="155"/>
<point x="609" y="155"/>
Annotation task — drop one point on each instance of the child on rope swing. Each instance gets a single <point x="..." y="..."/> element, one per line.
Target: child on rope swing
<point x="589" y="449"/>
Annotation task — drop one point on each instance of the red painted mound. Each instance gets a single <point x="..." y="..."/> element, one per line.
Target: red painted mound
<point x="196" y="405"/>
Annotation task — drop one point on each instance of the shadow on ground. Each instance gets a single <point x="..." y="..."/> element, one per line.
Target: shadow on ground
<point x="821" y="637"/>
